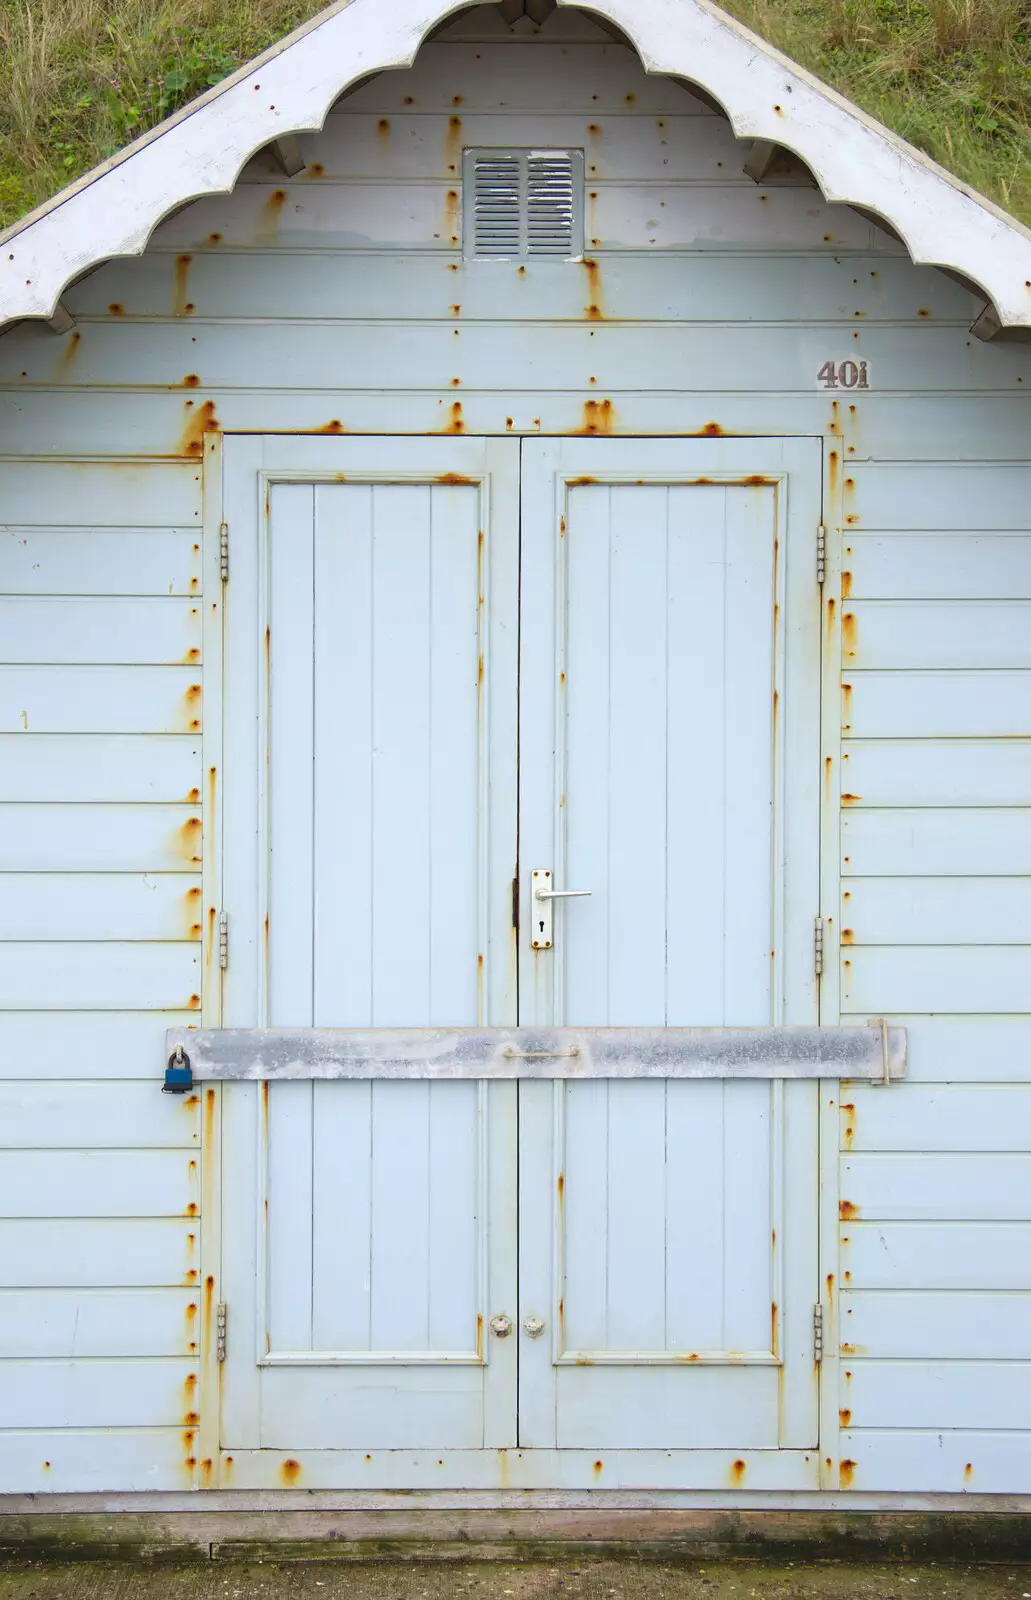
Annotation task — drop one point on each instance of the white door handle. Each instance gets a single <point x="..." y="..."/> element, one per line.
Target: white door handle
<point x="542" y="930"/>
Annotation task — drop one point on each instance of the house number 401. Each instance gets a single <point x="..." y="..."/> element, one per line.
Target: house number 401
<point x="844" y="375"/>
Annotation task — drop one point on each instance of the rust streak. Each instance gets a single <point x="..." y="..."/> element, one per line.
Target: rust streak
<point x="846" y="585"/>
<point x="453" y="143"/>
<point x="847" y="1469"/>
<point x="846" y="1211"/>
<point x="455" y="478"/>
<point x="451" y="216"/>
<point x="737" y="1473"/>
<point x="334" y="425"/>
<point x="199" y="421"/>
<point x="598" y="417"/>
<point x="849" y="636"/>
<point x="774" y="1324"/>
<point x="190" y="840"/>
<point x="844" y="1416"/>
<point x="181" y="287"/>
<point x="66" y="360"/>
<point x="712" y="430"/>
<point x="271" y="212"/>
<point x="383" y="129"/>
<point x="968" y="1472"/>
<point x="598" y="1469"/>
<point x="456" y="423"/>
<point x="290" y="1471"/>
<point x="595" y="311"/>
<point x="115" y="310"/>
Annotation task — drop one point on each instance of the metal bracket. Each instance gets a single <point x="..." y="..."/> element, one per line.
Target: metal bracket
<point x="221" y="1315"/>
<point x="818" y="1332"/>
<point x="223" y="939"/>
<point x="223" y="552"/>
<point x="821" y="553"/>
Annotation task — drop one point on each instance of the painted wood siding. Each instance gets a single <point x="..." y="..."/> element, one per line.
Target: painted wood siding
<point x="339" y="300"/>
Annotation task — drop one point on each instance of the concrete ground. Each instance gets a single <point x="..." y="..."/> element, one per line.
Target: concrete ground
<point x="586" y="1580"/>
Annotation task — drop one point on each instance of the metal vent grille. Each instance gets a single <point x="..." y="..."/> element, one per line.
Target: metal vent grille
<point x="523" y="204"/>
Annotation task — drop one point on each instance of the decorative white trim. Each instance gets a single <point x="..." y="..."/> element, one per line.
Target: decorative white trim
<point x="855" y="160"/>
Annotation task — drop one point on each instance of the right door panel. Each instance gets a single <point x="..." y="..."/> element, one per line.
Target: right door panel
<point x="670" y="765"/>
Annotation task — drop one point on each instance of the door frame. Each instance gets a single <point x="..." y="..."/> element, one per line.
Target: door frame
<point x="514" y="1469"/>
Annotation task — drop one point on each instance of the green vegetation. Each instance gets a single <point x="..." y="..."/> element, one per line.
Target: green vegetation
<point x="80" y="78"/>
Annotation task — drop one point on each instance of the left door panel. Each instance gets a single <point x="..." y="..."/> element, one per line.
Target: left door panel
<point x="370" y="714"/>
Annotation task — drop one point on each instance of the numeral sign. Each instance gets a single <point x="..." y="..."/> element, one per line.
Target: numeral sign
<point x="844" y="375"/>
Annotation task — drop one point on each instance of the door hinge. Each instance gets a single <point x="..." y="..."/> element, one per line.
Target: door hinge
<point x="220" y="1331"/>
<point x="223" y="939"/>
<point x="515" y="903"/>
<point x="821" y="553"/>
<point x="818" y="947"/>
<point x="223" y="552"/>
<point x="818" y="1332"/>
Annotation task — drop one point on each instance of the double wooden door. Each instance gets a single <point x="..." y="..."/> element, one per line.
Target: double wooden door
<point x="450" y="664"/>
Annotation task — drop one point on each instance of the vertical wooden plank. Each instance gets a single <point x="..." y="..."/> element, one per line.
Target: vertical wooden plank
<point x="401" y="760"/>
<point x="400" y="1216"/>
<point x="458" y="665"/>
<point x="455" y="1217"/>
<point x="696" y="603"/>
<point x="583" y="763"/>
<point x="747" y="1288"/>
<point x="581" y="1212"/>
<point x="342" y="1216"/>
<point x="748" y="763"/>
<point x="343" y="821"/>
<point x="291" y="701"/>
<point x="636" y="1163"/>
<point x="695" y="1224"/>
<point x="289" y="1281"/>
<point x="636" y="865"/>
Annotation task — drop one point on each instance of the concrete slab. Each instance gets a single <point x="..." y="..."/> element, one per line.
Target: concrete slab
<point x="583" y="1580"/>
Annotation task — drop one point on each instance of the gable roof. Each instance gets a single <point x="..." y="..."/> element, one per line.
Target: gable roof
<point x="855" y="160"/>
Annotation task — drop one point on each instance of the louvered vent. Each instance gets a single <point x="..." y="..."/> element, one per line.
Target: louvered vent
<point x="523" y="204"/>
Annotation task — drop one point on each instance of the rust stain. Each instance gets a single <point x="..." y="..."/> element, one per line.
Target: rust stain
<point x="67" y="357"/>
<point x="595" y="311"/>
<point x="833" y="463"/>
<point x="383" y="129"/>
<point x="599" y="1467"/>
<point x="849" y="635"/>
<point x="846" y="1211"/>
<point x="456" y="311"/>
<point x="457" y="422"/>
<point x="756" y="482"/>
<point x="333" y="426"/>
<point x="453" y="143"/>
<point x="851" y="1350"/>
<point x="479" y="1334"/>
<point x="846" y="707"/>
<point x="454" y="478"/>
<point x="844" y="1416"/>
<point x="46" y="1466"/>
<point x="598" y="417"/>
<point x="835" y="424"/>
<point x="846" y="585"/>
<point x="847" y="1469"/>
<point x="828" y="776"/>
<point x="316" y="170"/>
<point x="116" y="310"/>
<point x="191" y="381"/>
<point x="214" y="238"/>
<point x="290" y="1471"/>
<point x="968" y="1472"/>
<point x="851" y="799"/>
<point x="774" y="1324"/>
<point x="737" y="1472"/>
<point x="227" y="1468"/>
<point x="830" y="1286"/>
<point x="712" y="430"/>
<point x="182" y="284"/>
<point x="206" y="1472"/>
<point x="451" y="218"/>
<point x="848" y="936"/>
<point x="190" y="840"/>
<point x="561" y="1187"/>
<point x="199" y="420"/>
<point x="191" y="1327"/>
<point x="271" y="212"/>
<point x="923" y="312"/>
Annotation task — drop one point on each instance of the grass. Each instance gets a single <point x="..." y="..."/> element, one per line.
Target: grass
<point x="80" y="78"/>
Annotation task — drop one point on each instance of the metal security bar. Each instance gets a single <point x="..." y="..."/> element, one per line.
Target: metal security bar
<point x="876" y="1052"/>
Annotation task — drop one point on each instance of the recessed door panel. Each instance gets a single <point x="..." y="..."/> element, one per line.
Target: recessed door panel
<point x="669" y="726"/>
<point x="370" y="1227"/>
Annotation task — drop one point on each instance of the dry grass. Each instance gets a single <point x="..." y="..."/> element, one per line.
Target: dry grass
<point x="80" y="78"/>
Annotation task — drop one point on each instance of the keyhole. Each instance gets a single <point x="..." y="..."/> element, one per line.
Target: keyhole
<point x="541" y="926"/>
